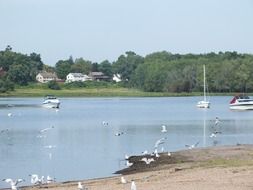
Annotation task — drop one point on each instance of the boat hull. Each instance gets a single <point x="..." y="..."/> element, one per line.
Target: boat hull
<point x="203" y="104"/>
<point x="51" y="105"/>
<point x="241" y="107"/>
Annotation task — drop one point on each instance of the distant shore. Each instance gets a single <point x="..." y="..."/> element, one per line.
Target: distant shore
<point x="98" y="92"/>
<point x="222" y="168"/>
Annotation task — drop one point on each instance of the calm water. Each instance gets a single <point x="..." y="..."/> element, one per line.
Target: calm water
<point x="83" y="148"/>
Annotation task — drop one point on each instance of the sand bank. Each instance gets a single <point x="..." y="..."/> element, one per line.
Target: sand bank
<point x="219" y="168"/>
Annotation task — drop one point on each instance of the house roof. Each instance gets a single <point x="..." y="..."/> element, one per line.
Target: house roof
<point x="77" y="74"/>
<point x="48" y="75"/>
<point x="96" y="73"/>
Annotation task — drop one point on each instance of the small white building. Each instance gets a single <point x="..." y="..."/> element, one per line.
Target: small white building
<point x="75" y="77"/>
<point x="116" y="78"/>
<point x="45" y="77"/>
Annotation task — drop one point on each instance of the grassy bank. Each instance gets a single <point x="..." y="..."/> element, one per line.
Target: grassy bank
<point x="88" y="92"/>
<point x="40" y="90"/>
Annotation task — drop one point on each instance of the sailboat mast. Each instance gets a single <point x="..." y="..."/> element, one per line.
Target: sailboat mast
<point x="204" y="73"/>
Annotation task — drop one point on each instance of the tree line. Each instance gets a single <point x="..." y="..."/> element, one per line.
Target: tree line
<point x="156" y="72"/>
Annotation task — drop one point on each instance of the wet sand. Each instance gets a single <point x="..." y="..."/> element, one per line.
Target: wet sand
<point x="220" y="168"/>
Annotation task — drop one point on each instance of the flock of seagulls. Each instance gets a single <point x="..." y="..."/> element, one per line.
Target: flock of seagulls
<point x="36" y="180"/>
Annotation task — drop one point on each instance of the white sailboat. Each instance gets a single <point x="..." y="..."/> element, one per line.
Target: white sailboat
<point x="204" y="103"/>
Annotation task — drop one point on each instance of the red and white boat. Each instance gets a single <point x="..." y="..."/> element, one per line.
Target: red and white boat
<point x="241" y="102"/>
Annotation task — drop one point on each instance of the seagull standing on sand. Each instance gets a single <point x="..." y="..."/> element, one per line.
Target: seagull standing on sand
<point x="133" y="186"/>
<point x="49" y="179"/>
<point x="147" y="160"/>
<point x="13" y="183"/>
<point x="80" y="186"/>
<point x="123" y="180"/>
<point x="36" y="180"/>
<point x="128" y="164"/>
<point x="164" y="130"/>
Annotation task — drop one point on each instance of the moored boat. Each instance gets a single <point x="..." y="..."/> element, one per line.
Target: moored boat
<point x="241" y="102"/>
<point x="204" y="103"/>
<point x="51" y="101"/>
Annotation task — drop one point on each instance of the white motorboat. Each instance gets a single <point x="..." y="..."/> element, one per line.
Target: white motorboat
<point x="241" y="102"/>
<point x="204" y="103"/>
<point x="51" y="101"/>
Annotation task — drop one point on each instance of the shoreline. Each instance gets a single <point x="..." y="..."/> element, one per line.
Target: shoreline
<point x="224" y="167"/>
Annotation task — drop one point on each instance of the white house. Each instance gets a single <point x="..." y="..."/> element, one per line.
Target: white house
<point x="45" y="77"/>
<point x="116" y="77"/>
<point x="74" y="77"/>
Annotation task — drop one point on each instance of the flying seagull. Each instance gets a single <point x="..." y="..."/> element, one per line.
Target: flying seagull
<point x="159" y="142"/>
<point x="46" y="129"/>
<point x="13" y="183"/>
<point x="192" y="146"/>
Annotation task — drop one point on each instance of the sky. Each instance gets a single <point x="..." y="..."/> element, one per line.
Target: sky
<point x="99" y="30"/>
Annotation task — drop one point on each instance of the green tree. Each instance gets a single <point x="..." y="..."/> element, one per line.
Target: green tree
<point x="81" y="66"/>
<point x="63" y="68"/>
<point x="106" y="68"/>
<point x="19" y="74"/>
<point x="126" y="65"/>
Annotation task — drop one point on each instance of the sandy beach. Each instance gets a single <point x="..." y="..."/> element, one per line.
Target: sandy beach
<point x="220" y="168"/>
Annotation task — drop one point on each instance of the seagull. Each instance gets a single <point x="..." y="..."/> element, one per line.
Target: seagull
<point x="133" y="186"/>
<point x="79" y="186"/>
<point x="147" y="160"/>
<point x="105" y="123"/>
<point x="164" y="130"/>
<point x="217" y="121"/>
<point x="49" y="179"/>
<point x="9" y="114"/>
<point x="118" y="134"/>
<point x="123" y="180"/>
<point x="160" y="141"/>
<point x="4" y="130"/>
<point x="46" y="129"/>
<point x="128" y="164"/>
<point x="169" y="154"/>
<point x="212" y="135"/>
<point x="36" y="180"/>
<point x="192" y="146"/>
<point x="126" y="157"/>
<point x="13" y="183"/>
<point x="50" y="146"/>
